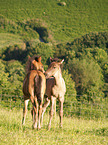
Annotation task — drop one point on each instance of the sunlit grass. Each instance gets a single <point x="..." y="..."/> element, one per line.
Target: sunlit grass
<point x="8" y="39"/>
<point x="75" y="131"/>
<point x="66" y="22"/>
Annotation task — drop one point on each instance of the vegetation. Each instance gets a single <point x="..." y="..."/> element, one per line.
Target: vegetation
<point x="67" y="22"/>
<point x="75" y="131"/>
<point x="74" y="30"/>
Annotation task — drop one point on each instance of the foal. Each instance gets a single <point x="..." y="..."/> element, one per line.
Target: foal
<point x="55" y="89"/>
<point x="34" y="86"/>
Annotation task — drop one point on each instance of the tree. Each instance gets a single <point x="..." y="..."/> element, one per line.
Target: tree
<point x="88" y="77"/>
<point x="70" y="96"/>
<point x="4" y="84"/>
<point x="16" y="76"/>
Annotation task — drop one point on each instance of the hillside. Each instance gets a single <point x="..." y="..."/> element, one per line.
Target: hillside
<point x="65" y="22"/>
<point x="76" y="31"/>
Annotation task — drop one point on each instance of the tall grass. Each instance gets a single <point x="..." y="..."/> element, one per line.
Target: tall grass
<point x="75" y="131"/>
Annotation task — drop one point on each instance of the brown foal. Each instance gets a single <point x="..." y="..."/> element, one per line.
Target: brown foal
<point x="34" y="86"/>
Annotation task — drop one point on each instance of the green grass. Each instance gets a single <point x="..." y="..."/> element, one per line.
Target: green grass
<point x="75" y="131"/>
<point x="66" y="22"/>
<point x="7" y="39"/>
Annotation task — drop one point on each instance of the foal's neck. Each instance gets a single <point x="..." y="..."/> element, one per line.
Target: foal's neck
<point x="58" y="78"/>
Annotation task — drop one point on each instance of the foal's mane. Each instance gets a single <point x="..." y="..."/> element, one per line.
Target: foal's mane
<point x="29" y="62"/>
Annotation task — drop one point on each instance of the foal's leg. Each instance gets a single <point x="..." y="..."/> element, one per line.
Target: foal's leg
<point x="45" y="105"/>
<point x="25" y="111"/>
<point x="40" y="112"/>
<point x="35" y="108"/>
<point x="51" y="112"/>
<point x="61" y="112"/>
<point x="55" y="107"/>
<point x="32" y="113"/>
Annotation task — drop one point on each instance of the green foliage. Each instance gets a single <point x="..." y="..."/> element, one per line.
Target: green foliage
<point x="41" y="28"/>
<point x="16" y="52"/>
<point x="70" y="95"/>
<point x="80" y="36"/>
<point x="42" y="49"/>
<point x="90" y="40"/>
<point x="88" y="46"/>
<point x="3" y="77"/>
<point x="88" y="77"/>
<point x="88" y="110"/>
<point x="70" y="86"/>
<point x="11" y="78"/>
<point x="101" y="56"/>
<point x="16" y="76"/>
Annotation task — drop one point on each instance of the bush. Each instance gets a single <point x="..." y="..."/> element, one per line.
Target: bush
<point x="41" y="49"/>
<point x="3" y="77"/>
<point x="12" y="76"/>
<point x="91" y="40"/>
<point x="41" y="28"/>
<point x="16" y="52"/>
<point x="88" y="78"/>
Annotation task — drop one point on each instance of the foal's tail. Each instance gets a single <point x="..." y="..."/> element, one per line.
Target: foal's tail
<point x="39" y="87"/>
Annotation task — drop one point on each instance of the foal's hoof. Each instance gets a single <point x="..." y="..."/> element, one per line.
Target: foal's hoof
<point x="61" y="126"/>
<point x="39" y="128"/>
<point x="49" y="128"/>
<point x="34" y="127"/>
<point x="23" y="122"/>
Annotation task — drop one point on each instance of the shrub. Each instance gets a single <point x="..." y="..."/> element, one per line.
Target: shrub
<point x="3" y="77"/>
<point x="41" y="28"/>
<point x="41" y="49"/>
<point x="91" y="40"/>
<point x="88" y="77"/>
<point x="16" y="76"/>
<point x="16" y="52"/>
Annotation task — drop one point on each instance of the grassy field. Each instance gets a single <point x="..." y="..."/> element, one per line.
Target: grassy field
<point x="65" y="22"/>
<point x="75" y="131"/>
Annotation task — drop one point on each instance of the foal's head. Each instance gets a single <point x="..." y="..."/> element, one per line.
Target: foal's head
<point x="34" y="63"/>
<point x="37" y="64"/>
<point x="53" y="68"/>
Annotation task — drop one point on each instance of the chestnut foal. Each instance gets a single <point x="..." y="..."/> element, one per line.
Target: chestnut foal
<point x="34" y="86"/>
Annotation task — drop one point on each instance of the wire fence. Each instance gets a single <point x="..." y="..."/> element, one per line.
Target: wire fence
<point x="72" y="107"/>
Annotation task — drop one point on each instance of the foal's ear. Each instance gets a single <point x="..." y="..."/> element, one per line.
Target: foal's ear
<point x="61" y="61"/>
<point x="39" y="59"/>
<point x="33" y="61"/>
<point x="51" y="59"/>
